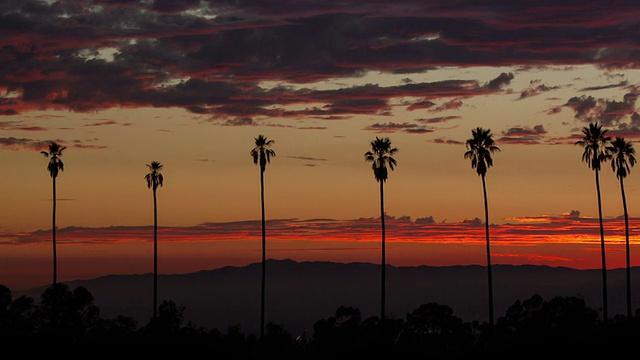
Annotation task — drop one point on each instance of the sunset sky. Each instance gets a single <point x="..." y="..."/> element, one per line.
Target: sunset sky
<point x="191" y="83"/>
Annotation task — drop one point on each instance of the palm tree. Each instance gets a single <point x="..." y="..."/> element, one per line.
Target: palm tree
<point x="154" y="179"/>
<point x="595" y="153"/>
<point x="381" y="157"/>
<point x="479" y="149"/>
<point x="622" y="161"/>
<point x="262" y="154"/>
<point x="54" y="166"/>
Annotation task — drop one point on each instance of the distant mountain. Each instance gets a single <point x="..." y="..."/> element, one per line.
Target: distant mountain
<point x="300" y="293"/>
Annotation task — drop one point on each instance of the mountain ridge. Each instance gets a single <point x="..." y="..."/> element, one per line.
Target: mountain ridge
<point x="300" y="293"/>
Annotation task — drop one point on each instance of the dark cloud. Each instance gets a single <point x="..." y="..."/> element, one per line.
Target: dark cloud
<point x="211" y="57"/>
<point x="448" y="141"/>
<point x="452" y="104"/>
<point x="583" y="106"/>
<point x="440" y="119"/>
<point x="103" y="123"/>
<point x="392" y="127"/>
<point x="536" y="88"/>
<point x="604" y="87"/>
<point x="573" y="214"/>
<point x="473" y="222"/>
<point x="239" y="122"/>
<point x="12" y="143"/>
<point x="425" y="220"/>
<point x="424" y="104"/>
<point x="610" y="113"/>
<point x="523" y="135"/>
<point x="502" y="80"/>
<point x="306" y="158"/>
<point x="20" y="126"/>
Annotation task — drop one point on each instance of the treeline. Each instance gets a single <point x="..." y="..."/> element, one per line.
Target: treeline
<point x="68" y="319"/>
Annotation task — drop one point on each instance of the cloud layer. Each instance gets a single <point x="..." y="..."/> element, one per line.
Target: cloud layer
<point x="243" y="63"/>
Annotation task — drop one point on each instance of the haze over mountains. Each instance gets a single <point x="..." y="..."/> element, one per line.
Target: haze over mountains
<point x="300" y="293"/>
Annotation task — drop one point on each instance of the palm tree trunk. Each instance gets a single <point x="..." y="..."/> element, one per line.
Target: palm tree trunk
<point x="155" y="255"/>
<point x="384" y="256"/>
<point x="489" y="273"/>
<point x="264" y="255"/>
<point x="605" y="297"/>
<point x="53" y="231"/>
<point x="626" y="237"/>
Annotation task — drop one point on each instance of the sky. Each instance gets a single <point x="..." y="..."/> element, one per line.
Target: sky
<point x="192" y="83"/>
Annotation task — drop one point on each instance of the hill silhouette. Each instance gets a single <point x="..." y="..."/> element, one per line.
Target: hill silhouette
<point x="300" y="293"/>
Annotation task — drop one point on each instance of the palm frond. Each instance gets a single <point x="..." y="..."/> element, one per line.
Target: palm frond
<point x="381" y="157"/>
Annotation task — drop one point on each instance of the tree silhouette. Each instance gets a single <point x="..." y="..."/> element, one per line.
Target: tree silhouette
<point x="622" y="160"/>
<point x="54" y="166"/>
<point x="261" y="155"/>
<point x="154" y="179"/>
<point x="595" y="153"/>
<point x="479" y="149"/>
<point x="381" y="157"/>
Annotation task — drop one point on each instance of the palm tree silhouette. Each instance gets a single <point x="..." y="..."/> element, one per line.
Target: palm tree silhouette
<point x="54" y="166"/>
<point x="479" y="149"/>
<point x="622" y="160"/>
<point x="262" y="154"/>
<point x="381" y="157"/>
<point x="595" y="153"/>
<point x="154" y="179"/>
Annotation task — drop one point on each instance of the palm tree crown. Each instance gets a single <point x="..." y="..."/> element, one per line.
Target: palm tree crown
<point x="479" y="149"/>
<point x="622" y="157"/>
<point x="381" y="157"/>
<point x="154" y="177"/>
<point x="261" y="152"/>
<point x="595" y="144"/>
<point x="55" y="163"/>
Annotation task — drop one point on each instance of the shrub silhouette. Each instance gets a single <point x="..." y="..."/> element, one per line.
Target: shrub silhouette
<point x="534" y="326"/>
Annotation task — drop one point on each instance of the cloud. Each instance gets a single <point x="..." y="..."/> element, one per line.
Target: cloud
<point x="239" y="122"/>
<point x="573" y="214"/>
<point x="214" y="58"/>
<point x="502" y="80"/>
<point x="103" y="123"/>
<point x="440" y="119"/>
<point x="392" y="127"/>
<point x="523" y="135"/>
<point x="307" y="158"/>
<point x="424" y="104"/>
<point x="425" y="220"/>
<point x="453" y="104"/>
<point x="536" y="88"/>
<point x="472" y="222"/>
<point x="15" y="144"/>
<point x="604" y="87"/>
<point x="605" y="111"/>
<point x="567" y="228"/>
<point x="19" y="126"/>
<point x="447" y="141"/>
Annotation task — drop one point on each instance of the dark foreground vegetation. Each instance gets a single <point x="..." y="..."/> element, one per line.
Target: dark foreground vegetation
<point x="66" y="321"/>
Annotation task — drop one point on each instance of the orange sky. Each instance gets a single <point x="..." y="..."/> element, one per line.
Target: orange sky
<point x="191" y="84"/>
